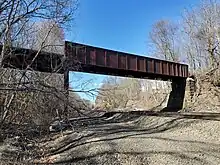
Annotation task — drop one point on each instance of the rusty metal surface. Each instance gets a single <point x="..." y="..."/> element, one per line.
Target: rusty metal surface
<point x="20" y="58"/>
<point x="91" y="59"/>
<point x="104" y="61"/>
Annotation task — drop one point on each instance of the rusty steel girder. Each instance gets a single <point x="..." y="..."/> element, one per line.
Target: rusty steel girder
<point x="104" y="61"/>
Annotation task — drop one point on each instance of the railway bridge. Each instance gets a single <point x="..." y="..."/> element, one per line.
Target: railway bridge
<point x="84" y="58"/>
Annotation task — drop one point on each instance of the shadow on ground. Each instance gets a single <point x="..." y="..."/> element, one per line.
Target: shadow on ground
<point x="133" y="136"/>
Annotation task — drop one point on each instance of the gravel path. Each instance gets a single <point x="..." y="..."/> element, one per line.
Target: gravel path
<point x="145" y="140"/>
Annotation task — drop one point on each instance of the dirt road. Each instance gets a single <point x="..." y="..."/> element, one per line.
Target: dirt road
<point x="140" y="140"/>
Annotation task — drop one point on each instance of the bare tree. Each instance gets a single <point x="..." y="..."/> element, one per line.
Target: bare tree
<point x="117" y="92"/>
<point x="164" y="38"/>
<point x="18" y="28"/>
<point x="16" y="14"/>
<point x="54" y="43"/>
<point x="202" y="34"/>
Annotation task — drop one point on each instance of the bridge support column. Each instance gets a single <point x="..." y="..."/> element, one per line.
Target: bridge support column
<point x="176" y="97"/>
<point x="66" y="90"/>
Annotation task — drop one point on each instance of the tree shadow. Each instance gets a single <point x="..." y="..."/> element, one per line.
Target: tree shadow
<point x="137" y="125"/>
<point x="197" y="155"/>
<point x="115" y="131"/>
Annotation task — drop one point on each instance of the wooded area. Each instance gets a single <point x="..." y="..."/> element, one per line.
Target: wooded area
<point x="30" y="101"/>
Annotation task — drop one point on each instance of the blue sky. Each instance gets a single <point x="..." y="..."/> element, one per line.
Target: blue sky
<point x="121" y="25"/>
